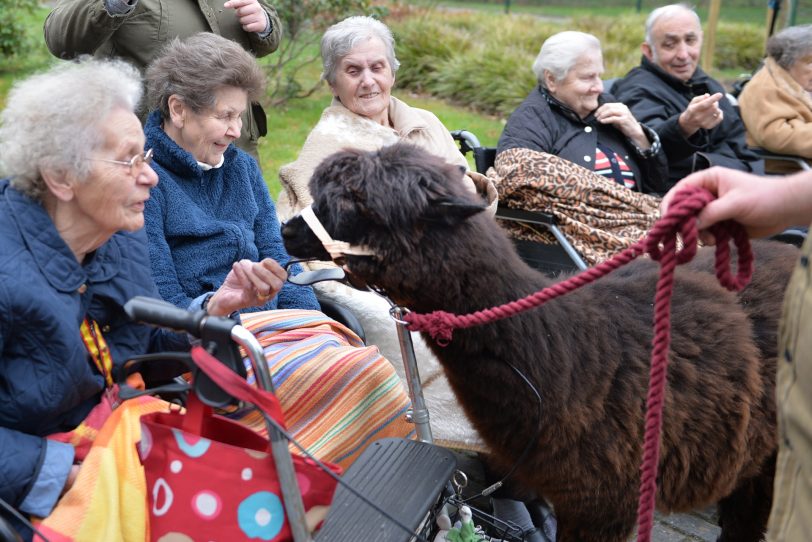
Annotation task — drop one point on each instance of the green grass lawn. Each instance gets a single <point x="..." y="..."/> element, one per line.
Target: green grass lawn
<point x="729" y="10"/>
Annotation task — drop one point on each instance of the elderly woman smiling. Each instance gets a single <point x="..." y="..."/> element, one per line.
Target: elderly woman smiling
<point x="776" y="104"/>
<point x="214" y="237"/>
<point x="73" y="253"/>
<point x="215" y="242"/>
<point x="573" y="151"/>
<point x="569" y="115"/>
<point x="359" y="64"/>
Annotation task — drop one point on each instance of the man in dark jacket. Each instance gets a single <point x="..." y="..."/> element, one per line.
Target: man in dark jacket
<point x="669" y="92"/>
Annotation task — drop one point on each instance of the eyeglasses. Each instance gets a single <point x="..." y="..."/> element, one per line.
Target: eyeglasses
<point x="133" y="163"/>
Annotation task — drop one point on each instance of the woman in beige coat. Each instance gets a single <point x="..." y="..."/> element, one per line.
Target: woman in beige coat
<point x="359" y="64"/>
<point x="776" y="105"/>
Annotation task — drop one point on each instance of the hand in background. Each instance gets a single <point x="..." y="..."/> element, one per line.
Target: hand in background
<point x="702" y="112"/>
<point x="250" y="14"/>
<point x="621" y="117"/>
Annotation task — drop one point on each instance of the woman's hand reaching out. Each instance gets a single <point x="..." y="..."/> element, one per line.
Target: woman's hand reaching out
<point x="248" y="284"/>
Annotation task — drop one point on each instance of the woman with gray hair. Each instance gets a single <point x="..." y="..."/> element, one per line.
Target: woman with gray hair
<point x="212" y="198"/>
<point x="73" y="253"/>
<point x="570" y="116"/>
<point x="776" y="104"/>
<point x="215" y="243"/>
<point x="575" y="152"/>
<point x="359" y="65"/>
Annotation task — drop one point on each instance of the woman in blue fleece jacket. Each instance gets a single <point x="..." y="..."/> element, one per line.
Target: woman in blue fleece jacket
<point x="215" y="239"/>
<point x="211" y="211"/>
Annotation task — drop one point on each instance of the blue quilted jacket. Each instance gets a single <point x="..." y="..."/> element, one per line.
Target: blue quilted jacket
<point x="47" y="382"/>
<point x="200" y="222"/>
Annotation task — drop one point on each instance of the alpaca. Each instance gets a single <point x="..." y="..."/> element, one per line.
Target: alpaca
<point x="586" y="353"/>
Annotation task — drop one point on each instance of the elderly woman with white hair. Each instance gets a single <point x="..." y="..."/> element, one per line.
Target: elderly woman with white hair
<point x="359" y="65"/>
<point x="570" y="116"/>
<point x="73" y="253"/>
<point x="776" y="104"/>
<point x="575" y="152"/>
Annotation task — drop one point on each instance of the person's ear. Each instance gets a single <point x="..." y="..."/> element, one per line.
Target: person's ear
<point x="647" y="51"/>
<point x="333" y="90"/>
<point x="58" y="183"/>
<point x="549" y="81"/>
<point x="177" y="111"/>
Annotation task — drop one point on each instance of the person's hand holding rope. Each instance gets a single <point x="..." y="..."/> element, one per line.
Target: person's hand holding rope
<point x="762" y="205"/>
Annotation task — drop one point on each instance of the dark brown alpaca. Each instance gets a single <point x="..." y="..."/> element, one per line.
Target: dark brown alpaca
<point x="587" y="353"/>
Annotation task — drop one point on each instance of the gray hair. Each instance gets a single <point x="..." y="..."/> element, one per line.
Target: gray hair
<point x="790" y="45"/>
<point x="667" y="12"/>
<point x="342" y="37"/>
<point x="561" y="51"/>
<point x="52" y="120"/>
<point x="196" y="68"/>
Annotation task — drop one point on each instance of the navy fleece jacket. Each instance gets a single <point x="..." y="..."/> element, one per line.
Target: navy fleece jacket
<point x="200" y="222"/>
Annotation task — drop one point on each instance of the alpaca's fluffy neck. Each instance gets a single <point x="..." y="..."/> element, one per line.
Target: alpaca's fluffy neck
<point x="475" y="268"/>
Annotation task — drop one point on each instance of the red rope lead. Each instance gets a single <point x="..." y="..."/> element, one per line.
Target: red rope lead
<point x="661" y="245"/>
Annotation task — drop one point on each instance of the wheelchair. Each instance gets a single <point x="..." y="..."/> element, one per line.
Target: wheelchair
<point x="550" y="259"/>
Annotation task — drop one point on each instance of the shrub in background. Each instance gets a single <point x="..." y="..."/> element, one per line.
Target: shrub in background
<point x="15" y="38"/>
<point x="484" y="61"/>
<point x="739" y="46"/>
<point x="304" y="22"/>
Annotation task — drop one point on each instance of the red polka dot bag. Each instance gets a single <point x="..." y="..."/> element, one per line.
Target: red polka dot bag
<point x="210" y="478"/>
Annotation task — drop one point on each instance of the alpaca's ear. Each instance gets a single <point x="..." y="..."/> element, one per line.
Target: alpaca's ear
<point x="451" y="210"/>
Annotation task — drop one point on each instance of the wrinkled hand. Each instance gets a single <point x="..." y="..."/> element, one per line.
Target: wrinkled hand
<point x="621" y="117"/>
<point x="250" y="14"/>
<point x="248" y="284"/>
<point x="702" y="112"/>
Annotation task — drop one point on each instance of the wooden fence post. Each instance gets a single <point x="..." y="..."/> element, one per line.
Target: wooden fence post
<point x="709" y="46"/>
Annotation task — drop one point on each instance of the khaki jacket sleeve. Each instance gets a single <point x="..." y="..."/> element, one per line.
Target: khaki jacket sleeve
<point x="77" y="27"/>
<point x="268" y="44"/>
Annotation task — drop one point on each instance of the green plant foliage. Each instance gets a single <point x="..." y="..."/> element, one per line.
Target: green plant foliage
<point x="15" y="38"/>
<point x="304" y="21"/>
<point x="738" y="46"/>
<point x="484" y="60"/>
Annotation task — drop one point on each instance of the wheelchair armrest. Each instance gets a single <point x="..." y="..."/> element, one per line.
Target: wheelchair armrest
<point x="521" y="215"/>
<point x="769" y="155"/>
<point x="794" y="236"/>
<point x="342" y="314"/>
<point x="547" y="221"/>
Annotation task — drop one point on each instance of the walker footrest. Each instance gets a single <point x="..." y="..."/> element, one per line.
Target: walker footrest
<point x="405" y="478"/>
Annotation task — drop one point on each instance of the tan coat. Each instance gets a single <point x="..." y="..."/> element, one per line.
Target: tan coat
<point x="777" y="113"/>
<point x="340" y="128"/>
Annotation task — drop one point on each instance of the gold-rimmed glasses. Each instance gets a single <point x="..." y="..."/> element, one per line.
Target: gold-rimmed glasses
<point x="133" y="163"/>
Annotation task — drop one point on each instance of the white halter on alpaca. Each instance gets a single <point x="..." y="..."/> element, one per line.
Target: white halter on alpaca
<point x="336" y="249"/>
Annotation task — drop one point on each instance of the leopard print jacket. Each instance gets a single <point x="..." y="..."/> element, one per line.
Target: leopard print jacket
<point x="597" y="215"/>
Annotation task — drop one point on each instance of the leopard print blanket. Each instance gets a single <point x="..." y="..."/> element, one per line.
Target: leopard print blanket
<point x="597" y="215"/>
